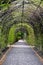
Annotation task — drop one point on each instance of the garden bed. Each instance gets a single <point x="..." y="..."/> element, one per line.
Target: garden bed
<point x="4" y="55"/>
<point x="40" y="53"/>
<point x="3" y="52"/>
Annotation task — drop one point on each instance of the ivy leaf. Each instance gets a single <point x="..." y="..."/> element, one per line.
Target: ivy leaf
<point x="41" y="0"/>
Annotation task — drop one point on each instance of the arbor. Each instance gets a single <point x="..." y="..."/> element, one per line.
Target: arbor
<point x="29" y="12"/>
<point x="5" y="1"/>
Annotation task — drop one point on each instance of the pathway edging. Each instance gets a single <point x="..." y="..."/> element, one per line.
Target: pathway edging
<point x="41" y="59"/>
<point x="4" y="57"/>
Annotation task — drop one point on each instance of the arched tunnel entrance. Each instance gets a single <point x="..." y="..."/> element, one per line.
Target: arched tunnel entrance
<point x="21" y="33"/>
<point x="25" y="32"/>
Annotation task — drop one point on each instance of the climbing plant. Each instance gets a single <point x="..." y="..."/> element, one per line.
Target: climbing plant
<point x="15" y="12"/>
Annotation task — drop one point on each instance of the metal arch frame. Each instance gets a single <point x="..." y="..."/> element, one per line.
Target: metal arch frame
<point x="13" y="23"/>
<point x="37" y="7"/>
<point x="22" y="12"/>
<point x="9" y="11"/>
<point x="20" y="5"/>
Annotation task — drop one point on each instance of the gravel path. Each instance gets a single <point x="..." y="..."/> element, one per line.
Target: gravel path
<point x="22" y="56"/>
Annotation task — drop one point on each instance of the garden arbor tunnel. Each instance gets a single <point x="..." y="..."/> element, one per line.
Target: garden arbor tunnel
<point x="25" y="11"/>
<point x="21" y="31"/>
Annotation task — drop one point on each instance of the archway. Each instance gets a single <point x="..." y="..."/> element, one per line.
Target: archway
<point x="27" y="33"/>
<point x="20" y="13"/>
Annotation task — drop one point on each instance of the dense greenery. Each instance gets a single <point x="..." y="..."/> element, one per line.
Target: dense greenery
<point x="29" y="12"/>
<point x="15" y="34"/>
<point x="11" y="36"/>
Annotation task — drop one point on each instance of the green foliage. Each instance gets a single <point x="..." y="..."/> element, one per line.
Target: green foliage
<point x="11" y="36"/>
<point x="2" y="40"/>
<point x="4" y="1"/>
<point x="4" y="4"/>
<point x="4" y="7"/>
<point x="19" y="35"/>
<point x="30" y="37"/>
